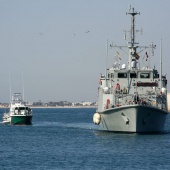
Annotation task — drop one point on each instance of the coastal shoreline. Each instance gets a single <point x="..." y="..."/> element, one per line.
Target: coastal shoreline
<point x="52" y="107"/>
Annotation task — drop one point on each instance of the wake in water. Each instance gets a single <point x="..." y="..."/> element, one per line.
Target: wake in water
<point x="68" y="125"/>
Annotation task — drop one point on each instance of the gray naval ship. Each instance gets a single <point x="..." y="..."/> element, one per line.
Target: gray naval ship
<point x="131" y="98"/>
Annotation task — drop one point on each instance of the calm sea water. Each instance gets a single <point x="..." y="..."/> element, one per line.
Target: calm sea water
<point x="68" y="139"/>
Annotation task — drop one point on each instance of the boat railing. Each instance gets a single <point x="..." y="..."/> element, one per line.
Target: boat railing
<point x="140" y="99"/>
<point x="121" y="98"/>
<point x="6" y="114"/>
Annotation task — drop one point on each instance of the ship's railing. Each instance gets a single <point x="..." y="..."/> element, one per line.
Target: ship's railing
<point x="140" y="99"/>
<point x="121" y="98"/>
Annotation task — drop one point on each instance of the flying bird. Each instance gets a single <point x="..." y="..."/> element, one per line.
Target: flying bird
<point x="87" y="31"/>
<point x="40" y="33"/>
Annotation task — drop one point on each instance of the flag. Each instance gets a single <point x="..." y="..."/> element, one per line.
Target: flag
<point x="137" y="56"/>
<point x="119" y="56"/>
<point x="146" y="56"/>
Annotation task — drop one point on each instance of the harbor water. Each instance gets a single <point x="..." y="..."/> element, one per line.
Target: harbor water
<point x="66" y="138"/>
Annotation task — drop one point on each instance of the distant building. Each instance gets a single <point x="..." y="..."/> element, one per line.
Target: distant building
<point x="86" y="103"/>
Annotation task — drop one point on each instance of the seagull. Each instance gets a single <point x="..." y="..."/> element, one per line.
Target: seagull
<point x="87" y="31"/>
<point x="40" y="33"/>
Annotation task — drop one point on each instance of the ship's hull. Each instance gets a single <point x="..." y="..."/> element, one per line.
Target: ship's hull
<point x="133" y="118"/>
<point x="21" y="120"/>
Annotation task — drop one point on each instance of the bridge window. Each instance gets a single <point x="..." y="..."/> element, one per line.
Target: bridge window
<point x="111" y="75"/>
<point x="145" y="75"/>
<point x="155" y="75"/>
<point x="133" y="75"/>
<point x="122" y="75"/>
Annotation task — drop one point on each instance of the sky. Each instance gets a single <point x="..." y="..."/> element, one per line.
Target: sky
<point x="56" y="49"/>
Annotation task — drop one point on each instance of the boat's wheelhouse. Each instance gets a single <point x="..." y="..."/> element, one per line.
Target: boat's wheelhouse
<point x="22" y="110"/>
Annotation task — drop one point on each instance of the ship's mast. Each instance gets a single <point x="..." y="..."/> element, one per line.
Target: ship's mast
<point x="161" y="65"/>
<point x="132" y="46"/>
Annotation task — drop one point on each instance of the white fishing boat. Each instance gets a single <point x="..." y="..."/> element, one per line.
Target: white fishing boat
<point x="131" y="98"/>
<point x="19" y="113"/>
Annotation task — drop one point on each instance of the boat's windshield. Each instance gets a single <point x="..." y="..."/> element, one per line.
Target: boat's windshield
<point x="22" y="108"/>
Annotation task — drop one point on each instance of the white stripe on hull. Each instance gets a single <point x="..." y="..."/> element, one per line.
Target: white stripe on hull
<point x="136" y="118"/>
